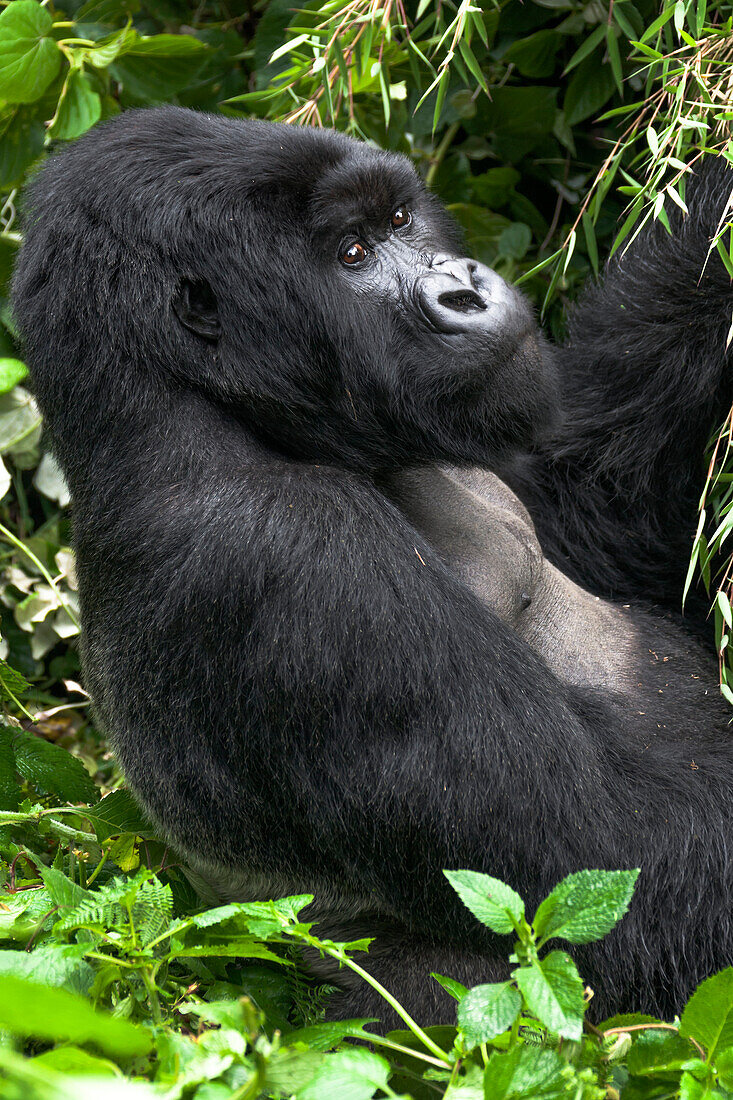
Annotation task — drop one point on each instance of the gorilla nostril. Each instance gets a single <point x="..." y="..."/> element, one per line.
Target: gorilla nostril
<point x="463" y="300"/>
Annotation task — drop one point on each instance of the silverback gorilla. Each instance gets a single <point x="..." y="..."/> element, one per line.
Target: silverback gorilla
<point x="334" y="652"/>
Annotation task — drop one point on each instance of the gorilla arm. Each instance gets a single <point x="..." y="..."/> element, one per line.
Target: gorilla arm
<point x="373" y="722"/>
<point x="646" y="379"/>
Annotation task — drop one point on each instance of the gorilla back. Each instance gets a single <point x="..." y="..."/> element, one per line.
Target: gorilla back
<point x="237" y="333"/>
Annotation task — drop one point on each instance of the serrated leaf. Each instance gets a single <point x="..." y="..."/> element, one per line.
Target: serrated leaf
<point x="53" y="769"/>
<point x="12" y="683"/>
<point x="553" y="992"/>
<point x="40" y="1012"/>
<point x="245" y="949"/>
<point x="525" y="1073"/>
<point x="118" y="812"/>
<point x="349" y="1075"/>
<point x="326" y="1036"/>
<point x="487" y="1010"/>
<point x="56" y="965"/>
<point x="708" y="1015"/>
<point x="491" y="901"/>
<point x="585" y="906"/>
<point x="659" y="1052"/>
<point x="29" y="57"/>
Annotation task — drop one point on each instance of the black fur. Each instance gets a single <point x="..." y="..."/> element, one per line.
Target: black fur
<point x="300" y="691"/>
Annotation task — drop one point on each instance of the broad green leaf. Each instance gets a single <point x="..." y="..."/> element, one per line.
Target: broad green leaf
<point x="534" y="56"/>
<point x="166" y="45"/>
<point x="9" y="789"/>
<point x="155" y="68"/>
<point x="708" y="1015"/>
<point x="29" y="58"/>
<point x="659" y="1052"/>
<point x="104" y="52"/>
<point x="63" y="892"/>
<point x="487" y="1010"/>
<point x="12" y="684"/>
<point x="41" y="1012"/>
<point x="591" y="86"/>
<point x="326" y="1036"/>
<point x="724" y="1067"/>
<point x="118" y="812"/>
<point x="493" y="902"/>
<point x="79" y="108"/>
<point x="53" y="769"/>
<point x="57" y="965"/>
<point x="12" y="371"/>
<point x="525" y="1073"/>
<point x="585" y="906"/>
<point x="347" y="1075"/>
<point x="21" y="143"/>
<point x="73" y="1061"/>
<point x="515" y="240"/>
<point x="553" y="992"/>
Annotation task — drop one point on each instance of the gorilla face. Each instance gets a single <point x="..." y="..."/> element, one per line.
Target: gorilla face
<point x="307" y="282"/>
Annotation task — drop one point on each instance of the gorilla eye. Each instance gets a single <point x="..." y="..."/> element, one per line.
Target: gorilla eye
<point x="356" y="253"/>
<point x="401" y="217"/>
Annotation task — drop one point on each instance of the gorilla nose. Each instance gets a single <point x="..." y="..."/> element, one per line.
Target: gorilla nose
<point x="456" y="293"/>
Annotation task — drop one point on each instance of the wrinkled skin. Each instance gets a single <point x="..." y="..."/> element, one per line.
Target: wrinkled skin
<point x="333" y="652"/>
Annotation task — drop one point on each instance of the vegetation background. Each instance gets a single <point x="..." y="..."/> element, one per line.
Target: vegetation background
<point x="552" y="129"/>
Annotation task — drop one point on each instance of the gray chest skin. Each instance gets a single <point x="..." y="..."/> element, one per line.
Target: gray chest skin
<point x="485" y="535"/>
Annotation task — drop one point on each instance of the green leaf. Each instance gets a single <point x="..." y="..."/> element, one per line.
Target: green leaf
<point x="451" y="986"/>
<point x="29" y="58"/>
<point x="535" y="56"/>
<point x="658" y="1052"/>
<point x="586" y="48"/>
<point x="58" y="965"/>
<point x="708" y="1015"/>
<point x="487" y="1010"/>
<point x="493" y="902"/>
<point x="515" y="240"/>
<point x="245" y="949"/>
<point x="585" y="906"/>
<point x="79" y="108"/>
<point x="12" y="683"/>
<point x="40" y="1012"/>
<point x="525" y="1073"/>
<point x="12" y="371"/>
<point x="553" y="992"/>
<point x="118" y="812"/>
<point x="73" y="1061"/>
<point x="347" y="1075"/>
<point x="53" y="769"/>
<point x="591" y="86"/>
<point x="326" y="1036"/>
<point x="22" y="136"/>
<point x="9" y="789"/>
<point x="156" y="68"/>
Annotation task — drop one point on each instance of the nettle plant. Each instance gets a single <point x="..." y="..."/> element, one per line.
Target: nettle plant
<point x="147" y="988"/>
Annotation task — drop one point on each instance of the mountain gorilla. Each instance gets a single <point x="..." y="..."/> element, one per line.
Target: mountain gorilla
<point x="334" y="653"/>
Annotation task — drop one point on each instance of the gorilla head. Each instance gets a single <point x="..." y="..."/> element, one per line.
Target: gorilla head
<point x="327" y="304"/>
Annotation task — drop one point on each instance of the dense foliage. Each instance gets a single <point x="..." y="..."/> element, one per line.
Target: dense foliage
<point x="552" y="129"/>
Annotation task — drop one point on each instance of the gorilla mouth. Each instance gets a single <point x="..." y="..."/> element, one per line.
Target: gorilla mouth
<point x="462" y="301"/>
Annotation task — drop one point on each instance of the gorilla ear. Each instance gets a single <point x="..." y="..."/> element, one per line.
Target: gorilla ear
<point x="195" y="306"/>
